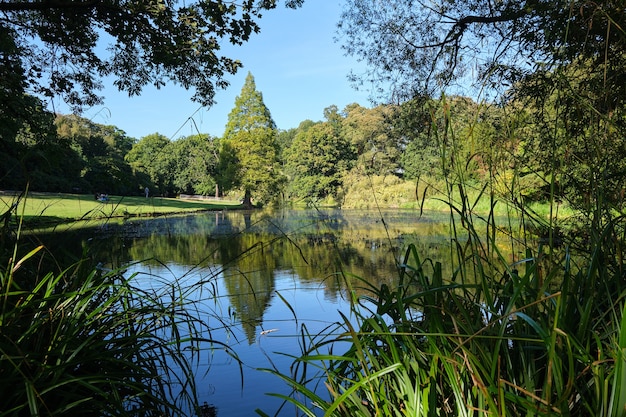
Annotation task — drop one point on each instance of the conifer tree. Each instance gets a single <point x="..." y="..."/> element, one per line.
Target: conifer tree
<point x="252" y="135"/>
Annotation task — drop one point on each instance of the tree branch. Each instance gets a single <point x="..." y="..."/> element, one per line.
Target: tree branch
<point x="17" y="6"/>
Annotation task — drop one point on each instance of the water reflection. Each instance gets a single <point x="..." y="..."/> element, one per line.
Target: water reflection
<point x="329" y="249"/>
<point x="260" y="278"/>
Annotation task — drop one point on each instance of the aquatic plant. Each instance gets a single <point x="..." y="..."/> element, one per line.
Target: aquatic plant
<point x="89" y="341"/>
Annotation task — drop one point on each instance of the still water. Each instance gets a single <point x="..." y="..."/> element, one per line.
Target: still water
<point x="262" y="278"/>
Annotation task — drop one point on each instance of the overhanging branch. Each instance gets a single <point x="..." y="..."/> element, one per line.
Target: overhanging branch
<point x="17" y="6"/>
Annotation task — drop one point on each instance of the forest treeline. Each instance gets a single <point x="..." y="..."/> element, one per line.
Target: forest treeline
<point x="416" y="147"/>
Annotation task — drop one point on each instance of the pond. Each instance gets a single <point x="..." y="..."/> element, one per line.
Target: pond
<point x="261" y="279"/>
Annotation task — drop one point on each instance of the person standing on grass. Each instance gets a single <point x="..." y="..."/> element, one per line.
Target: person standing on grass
<point x="147" y="191"/>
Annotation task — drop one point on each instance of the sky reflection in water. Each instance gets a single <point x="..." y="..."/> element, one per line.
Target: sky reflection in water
<point x="255" y="268"/>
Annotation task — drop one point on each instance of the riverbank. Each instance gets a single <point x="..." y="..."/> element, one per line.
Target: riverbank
<point x="55" y="208"/>
<point x="50" y="209"/>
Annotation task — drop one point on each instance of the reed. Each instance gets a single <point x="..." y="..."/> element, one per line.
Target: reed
<point x="90" y="342"/>
<point x="535" y="338"/>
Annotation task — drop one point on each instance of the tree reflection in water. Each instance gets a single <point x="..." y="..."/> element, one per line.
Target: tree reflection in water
<point x="253" y="257"/>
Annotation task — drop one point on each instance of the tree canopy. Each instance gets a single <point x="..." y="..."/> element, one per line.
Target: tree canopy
<point x="413" y="46"/>
<point x="63" y="48"/>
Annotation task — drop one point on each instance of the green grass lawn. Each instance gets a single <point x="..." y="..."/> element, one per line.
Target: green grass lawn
<point x="51" y="208"/>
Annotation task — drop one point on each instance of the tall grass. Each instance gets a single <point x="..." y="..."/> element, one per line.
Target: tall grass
<point x="521" y="344"/>
<point x="89" y="342"/>
<point x="540" y="335"/>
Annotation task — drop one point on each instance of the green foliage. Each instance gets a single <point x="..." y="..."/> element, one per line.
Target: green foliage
<point x="259" y="169"/>
<point x="573" y="138"/>
<point x="69" y="154"/>
<point x="57" y="48"/>
<point x="250" y="112"/>
<point x="101" y="150"/>
<point x="540" y="334"/>
<point x="557" y="70"/>
<point x="195" y="160"/>
<point x="316" y="162"/>
<point x="252" y="136"/>
<point x="369" y="132"/>
<point x="228" y="167"/>
<point x="27" y="136"/>
<point x="285" y="137"/>
<point x="148" y="156"/>
<point x="83" y="341"/>
<point x="412" y="126"/>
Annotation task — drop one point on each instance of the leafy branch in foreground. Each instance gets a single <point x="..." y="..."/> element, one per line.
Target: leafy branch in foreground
<point x="53" y="48"/>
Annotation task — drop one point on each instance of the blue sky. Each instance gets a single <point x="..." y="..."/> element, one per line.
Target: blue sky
<point x="296" y="65"/>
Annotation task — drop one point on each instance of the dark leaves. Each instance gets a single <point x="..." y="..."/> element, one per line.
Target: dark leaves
<point x="67" y="46"/>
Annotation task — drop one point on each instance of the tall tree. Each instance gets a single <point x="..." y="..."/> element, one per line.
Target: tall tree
<point x="252" y="135"/>
<point x="63" y="48"/>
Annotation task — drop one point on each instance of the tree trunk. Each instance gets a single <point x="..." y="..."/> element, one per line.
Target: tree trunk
<point x="247" y="199"/>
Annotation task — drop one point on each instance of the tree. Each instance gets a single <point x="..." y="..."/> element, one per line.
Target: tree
<point x="196" y="163"/>
<point x="148" y="156"/>
<point x="369" y="131"/>
<point x="102" y="150"/>
<point x="412" y="47"/>
<point x="317" y="160"/>
<point x="63" y="48"/>
<point x="252" y="135"/>
<point x="26" y="129"/>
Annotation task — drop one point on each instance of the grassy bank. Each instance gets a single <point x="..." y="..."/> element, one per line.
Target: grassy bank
<point x="58" y="208"/>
